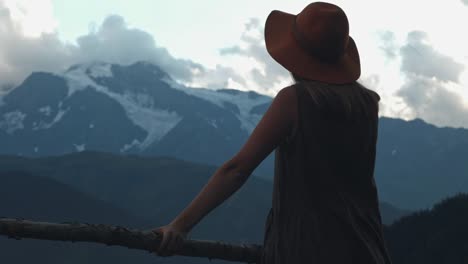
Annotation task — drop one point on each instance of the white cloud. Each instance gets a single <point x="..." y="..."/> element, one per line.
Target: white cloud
<point x="113" y="42"/>
<point x="420" y="58"/>
<point x="265" y="74"/>
<point x="21" y="54"/>
<point x="415" y="75"/>
<point x="431" y="87"/>
<point x="31" y="17"/>
<point x="431" y="100"/>
<point x="388" y="44"/>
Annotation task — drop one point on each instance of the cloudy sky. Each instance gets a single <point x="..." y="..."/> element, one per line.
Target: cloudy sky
<point x="414" y="53"/>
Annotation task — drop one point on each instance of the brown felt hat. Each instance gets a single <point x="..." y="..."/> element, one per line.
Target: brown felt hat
<point x="314" y="44"/>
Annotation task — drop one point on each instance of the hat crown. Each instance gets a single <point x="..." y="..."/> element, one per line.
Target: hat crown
<point x="323" y="30"/>
<point x="314" y="44"/>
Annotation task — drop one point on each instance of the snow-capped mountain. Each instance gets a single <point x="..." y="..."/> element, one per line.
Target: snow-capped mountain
<point x="139" y="109"/>
<point x="125" y="109"/>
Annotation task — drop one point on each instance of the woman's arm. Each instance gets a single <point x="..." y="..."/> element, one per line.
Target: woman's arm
<point x="271" y="130"/>
<point x="224" y="182"/>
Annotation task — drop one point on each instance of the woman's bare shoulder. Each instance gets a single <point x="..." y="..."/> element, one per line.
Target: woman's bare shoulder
<point x="289" y="104"/>
<point x="371" y="92"/>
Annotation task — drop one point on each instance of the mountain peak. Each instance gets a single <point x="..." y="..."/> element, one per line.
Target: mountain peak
<point x="102" y="69"/>
<point x="95" y="69"/>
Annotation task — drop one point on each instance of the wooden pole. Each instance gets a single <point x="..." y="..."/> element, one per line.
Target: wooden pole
<point x="121" y="236"/>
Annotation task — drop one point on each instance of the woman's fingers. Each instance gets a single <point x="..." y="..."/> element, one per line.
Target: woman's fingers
<point x="171" y="241"/>
<point x="173" y="245"/>
<point x="167" y="236"/>
<point x="180" y="241"/>
<point x="159" y="232"/>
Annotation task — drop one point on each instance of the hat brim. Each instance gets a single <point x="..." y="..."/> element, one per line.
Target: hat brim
<point x="283" y="48"/>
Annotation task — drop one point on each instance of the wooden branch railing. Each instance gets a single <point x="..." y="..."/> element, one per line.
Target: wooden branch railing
<point x="121" y="236"/>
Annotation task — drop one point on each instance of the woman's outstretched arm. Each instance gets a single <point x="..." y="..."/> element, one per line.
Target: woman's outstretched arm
<point x="271" y="130"/>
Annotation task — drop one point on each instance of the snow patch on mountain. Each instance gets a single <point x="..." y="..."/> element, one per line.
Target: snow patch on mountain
<point x="46" y="110"/>
<point x="12" y="121"/>
<point x="140" y="99"/>
<point x="241" y="100"/>
<point x="213" y="123"/>
<point x="79" y="147"/>
<point x="100" y="70"/>
<point x="57" y="118"/>
<point x="78" y="80"/>
<point x="156" y="122"/>
<point x="138" y="107"/>
<point x="134" y="144"/>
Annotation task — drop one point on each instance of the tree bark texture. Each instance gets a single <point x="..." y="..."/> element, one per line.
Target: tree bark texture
<point x="121" y="236"/>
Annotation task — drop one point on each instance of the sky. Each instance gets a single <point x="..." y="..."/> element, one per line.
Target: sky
<point x="413" y="52"/>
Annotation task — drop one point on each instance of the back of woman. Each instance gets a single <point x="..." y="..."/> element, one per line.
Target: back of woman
<point x="325" y="203"/>
<point x="339" y="126"/>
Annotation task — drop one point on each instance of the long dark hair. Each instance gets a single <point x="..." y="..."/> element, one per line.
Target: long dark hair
<point x="296" y="78"/>
<point x="349" y="100"/>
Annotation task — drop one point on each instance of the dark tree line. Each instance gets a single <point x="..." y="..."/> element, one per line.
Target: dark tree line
<point x="438" y="235"/>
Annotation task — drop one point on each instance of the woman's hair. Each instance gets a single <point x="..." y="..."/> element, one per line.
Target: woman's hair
<point x="297" y="78"/>
<point x="355" y="102"/>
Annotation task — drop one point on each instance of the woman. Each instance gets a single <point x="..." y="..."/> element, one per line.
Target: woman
<point x="324" y="131"/>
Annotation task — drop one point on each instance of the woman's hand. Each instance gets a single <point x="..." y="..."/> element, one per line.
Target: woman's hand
<point x="172" y="240"/>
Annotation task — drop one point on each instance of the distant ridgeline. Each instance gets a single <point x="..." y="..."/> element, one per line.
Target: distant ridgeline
<point x="139" y="109"/>
<point x="431" y="236"/>
<point x="146" y="186"/>
<point x="434" y="236"/>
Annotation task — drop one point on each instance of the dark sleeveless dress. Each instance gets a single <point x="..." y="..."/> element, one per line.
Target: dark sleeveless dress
<point x="325" y="206"/>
